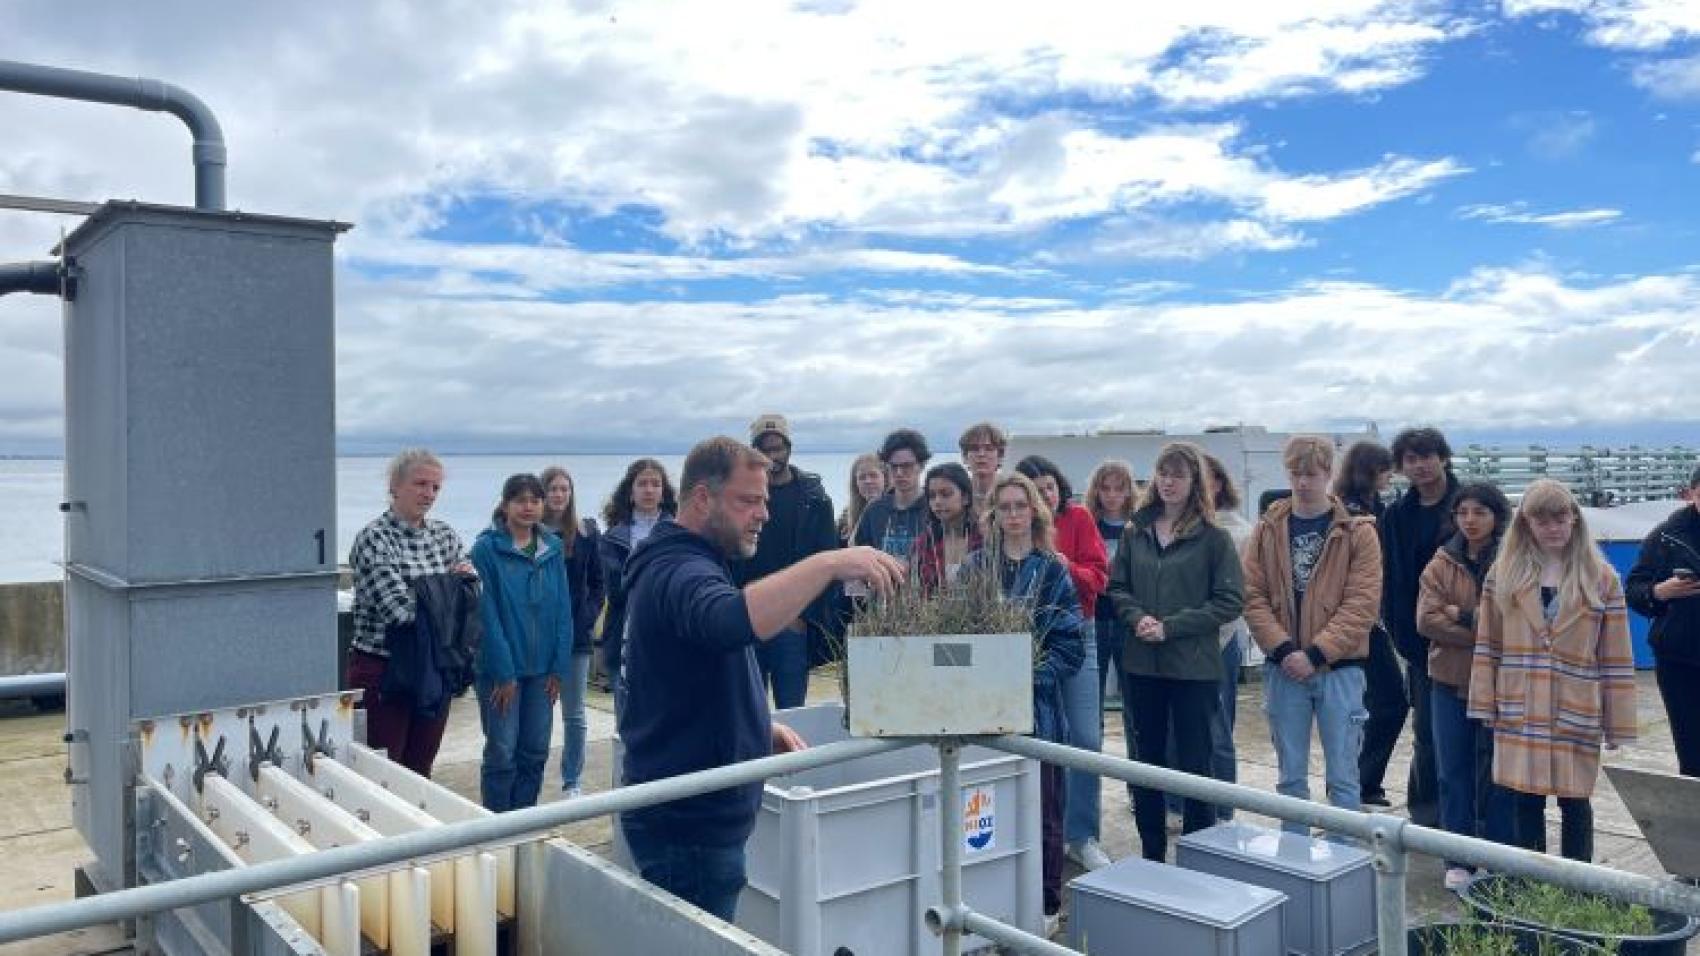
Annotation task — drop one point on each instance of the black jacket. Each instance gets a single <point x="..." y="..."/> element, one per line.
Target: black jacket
<point x="1403" y="559"/>
<point x="432" y="658"/>
<point x="1675" y="543"/>
<point x="811" y="531"/>
<point x="585" y="577"/>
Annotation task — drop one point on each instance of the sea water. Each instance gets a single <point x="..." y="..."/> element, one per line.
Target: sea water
<point x="32" y="536"/>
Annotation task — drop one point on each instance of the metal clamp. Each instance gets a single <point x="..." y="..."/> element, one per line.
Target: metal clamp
<point x="259" y="754"/>
<point x="311" y="745"/>
<point x="218" y="763"/>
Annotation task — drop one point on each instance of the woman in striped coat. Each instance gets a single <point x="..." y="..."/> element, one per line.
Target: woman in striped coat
<point x="1552" y="672"/>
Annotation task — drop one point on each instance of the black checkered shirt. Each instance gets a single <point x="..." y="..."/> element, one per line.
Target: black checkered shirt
<point x="387" y="554"/>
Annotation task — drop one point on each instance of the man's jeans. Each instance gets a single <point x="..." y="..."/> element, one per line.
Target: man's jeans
<point x="710" y="877"/>
<point x="1085" y="710"/>
<point x="1334" y="701"/>
<point x="573" y="725"/>
<point x="784" y="663"/>
<point x="516" y="744"/>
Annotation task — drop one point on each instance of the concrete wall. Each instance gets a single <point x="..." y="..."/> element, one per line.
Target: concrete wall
<point x="32" y="628"/>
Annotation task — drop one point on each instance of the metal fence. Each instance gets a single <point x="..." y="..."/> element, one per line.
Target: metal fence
<point x="1599" y="477"/>
<point x="1391" y="839"/>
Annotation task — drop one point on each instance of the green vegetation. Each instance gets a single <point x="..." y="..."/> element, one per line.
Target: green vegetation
<point x="973" y="605"/>
<point x="1547" y="905"/>
<point x="1497" y="939"/>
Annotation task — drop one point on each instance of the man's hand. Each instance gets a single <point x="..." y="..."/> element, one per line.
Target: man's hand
<point x="1297" y="666"/>
<point x="879" y="571"/>
<point x="1677" y="589"/>
<point x="502" y="697"/>
<point x="465" y="568"/>
<point x="786" y="740"/>
<point x="1149" y="630"/>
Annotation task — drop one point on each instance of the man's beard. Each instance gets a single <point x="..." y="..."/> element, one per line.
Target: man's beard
<point x="727" y="537"/>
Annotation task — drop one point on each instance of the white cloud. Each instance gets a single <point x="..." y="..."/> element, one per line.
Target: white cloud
<point x="1518" y="214"/>
<point x="1677" y="79"/>
<point x="1555" y="135"/>
<point x="1622" y="24"/>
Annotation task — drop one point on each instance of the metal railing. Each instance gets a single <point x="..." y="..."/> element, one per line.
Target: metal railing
<point x="1597" y="476"/>
<point x="1391" y="840"/>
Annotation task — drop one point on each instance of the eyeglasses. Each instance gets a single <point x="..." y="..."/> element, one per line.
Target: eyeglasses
<point x="905" y="466"/>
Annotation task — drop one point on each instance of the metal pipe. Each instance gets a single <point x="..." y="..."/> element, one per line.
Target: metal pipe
<point x="1333" y="819"/>
<point x="1010" y="937"/>
<point x="208" y="151"/>
<point x="348" y="861"/>
<point x="1389" y="861"/>
<point x="13" y="686"/>
<point x="41" y="278"/>
<point x="1586" y="877"/>
<point x="950" y="846"/>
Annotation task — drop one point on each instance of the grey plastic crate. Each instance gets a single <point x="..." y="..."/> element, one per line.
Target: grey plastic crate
<point x="1137" y="907"/>
<point x="845" y="859"/>
<point x="1330" y="886"/>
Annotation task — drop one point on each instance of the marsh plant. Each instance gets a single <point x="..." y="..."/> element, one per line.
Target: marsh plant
<point x="1486" y="939"/>
<point x="1562" y="909"/>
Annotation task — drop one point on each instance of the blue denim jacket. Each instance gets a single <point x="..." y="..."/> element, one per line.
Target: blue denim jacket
<point x="1041" y="581"/>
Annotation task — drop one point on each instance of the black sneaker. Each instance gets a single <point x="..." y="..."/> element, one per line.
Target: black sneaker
<point x="1376" y="800"/>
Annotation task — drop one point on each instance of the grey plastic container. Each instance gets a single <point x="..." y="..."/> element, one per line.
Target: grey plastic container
<point x="1330" y="886"/>
<point x="1137" y="907"/>
<point x="844" y="860"/>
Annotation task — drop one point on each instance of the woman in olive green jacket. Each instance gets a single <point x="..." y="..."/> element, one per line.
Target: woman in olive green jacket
<point x="1174" y="582"/>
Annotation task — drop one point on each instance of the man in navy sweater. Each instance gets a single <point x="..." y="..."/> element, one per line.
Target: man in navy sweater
<point x="694" y="695"/>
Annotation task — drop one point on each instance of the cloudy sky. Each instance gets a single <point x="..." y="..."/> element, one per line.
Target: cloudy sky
<point x="618" y="225"/>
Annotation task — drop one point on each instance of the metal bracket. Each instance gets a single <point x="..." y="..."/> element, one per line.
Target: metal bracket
<point x="311" y="745"/>
<point x="258" y="754"/>
<point x="218" y="763"/>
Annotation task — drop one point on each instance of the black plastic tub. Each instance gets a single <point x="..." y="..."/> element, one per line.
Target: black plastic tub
<point x="1671" y="931"/>
<point x="1431" y="940"/>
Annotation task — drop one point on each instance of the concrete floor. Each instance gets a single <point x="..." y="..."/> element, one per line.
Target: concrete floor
<point x="39" y="849"/>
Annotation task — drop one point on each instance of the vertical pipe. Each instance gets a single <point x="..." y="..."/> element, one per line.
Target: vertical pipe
<point x="1387" y="843"/>
<point x="950" y="832"/>
<point x="799" y="890"/>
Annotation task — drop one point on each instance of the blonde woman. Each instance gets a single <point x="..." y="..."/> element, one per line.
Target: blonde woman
<point x="1175" y="581"/>
<point x="867" y="483"/>
<point x="1552" y="673"/>
<point x="1111" y="494"/>
<point x="1020" y="549"/>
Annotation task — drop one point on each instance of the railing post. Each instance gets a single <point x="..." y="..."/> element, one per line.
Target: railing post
<point x="1387" y="844"/>
<point x="950" y="849"/>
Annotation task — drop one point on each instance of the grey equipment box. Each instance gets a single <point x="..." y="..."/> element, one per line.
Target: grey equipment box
<point x="1140" y="907"/>
<point x="1330" y="886"/>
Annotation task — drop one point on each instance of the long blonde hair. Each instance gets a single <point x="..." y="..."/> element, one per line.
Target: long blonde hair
<point x="1200" y="507"/>
<point x="1043" y="527"/>
<point x="854" y="504"/>
<point x="1517" y="570"/>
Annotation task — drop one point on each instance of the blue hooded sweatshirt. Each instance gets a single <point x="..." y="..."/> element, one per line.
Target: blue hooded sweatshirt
<point x="694" y="697"/>
<point x="525" y="608"/>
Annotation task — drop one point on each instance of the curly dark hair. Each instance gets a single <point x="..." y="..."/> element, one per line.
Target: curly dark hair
<point x="905" y="438"/>
<point x="619" y="508"/>
<point x="1362" y="465"/>
<point x="1035" y="465"/>
<point x="1421" y="441"/>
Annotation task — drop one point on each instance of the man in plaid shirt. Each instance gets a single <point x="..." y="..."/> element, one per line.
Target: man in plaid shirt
<point x="398" y="546"/>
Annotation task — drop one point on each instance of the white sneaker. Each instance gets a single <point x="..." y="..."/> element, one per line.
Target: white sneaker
<point x="571" y="793"/>
<point x="1053" y="926"/>
<point x="1457" y="878"/>
<point x="1088" y="854"/>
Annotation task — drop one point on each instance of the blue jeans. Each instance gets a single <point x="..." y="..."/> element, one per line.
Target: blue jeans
<point x="573" y="724"/>
<point x="1334" y="701"/>
<point x="784" y="663"/>
<point x="1463" y="757"/>
<point x="1085" y="710"/>
<point x="710" y="877"/>
<point x="516" y="744"/>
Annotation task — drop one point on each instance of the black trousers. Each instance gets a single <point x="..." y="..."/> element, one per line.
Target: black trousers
<point x="1157" y="705"/>
<point x="1576" y="826"/>
<point x="1679" y="685"/>
<point x="1384" y="698"/>
<point x="1422" y="791"/>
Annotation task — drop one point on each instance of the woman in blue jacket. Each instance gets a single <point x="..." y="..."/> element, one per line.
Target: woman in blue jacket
<point x="528" y="643"/>
<point x="1019" y="549"/>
